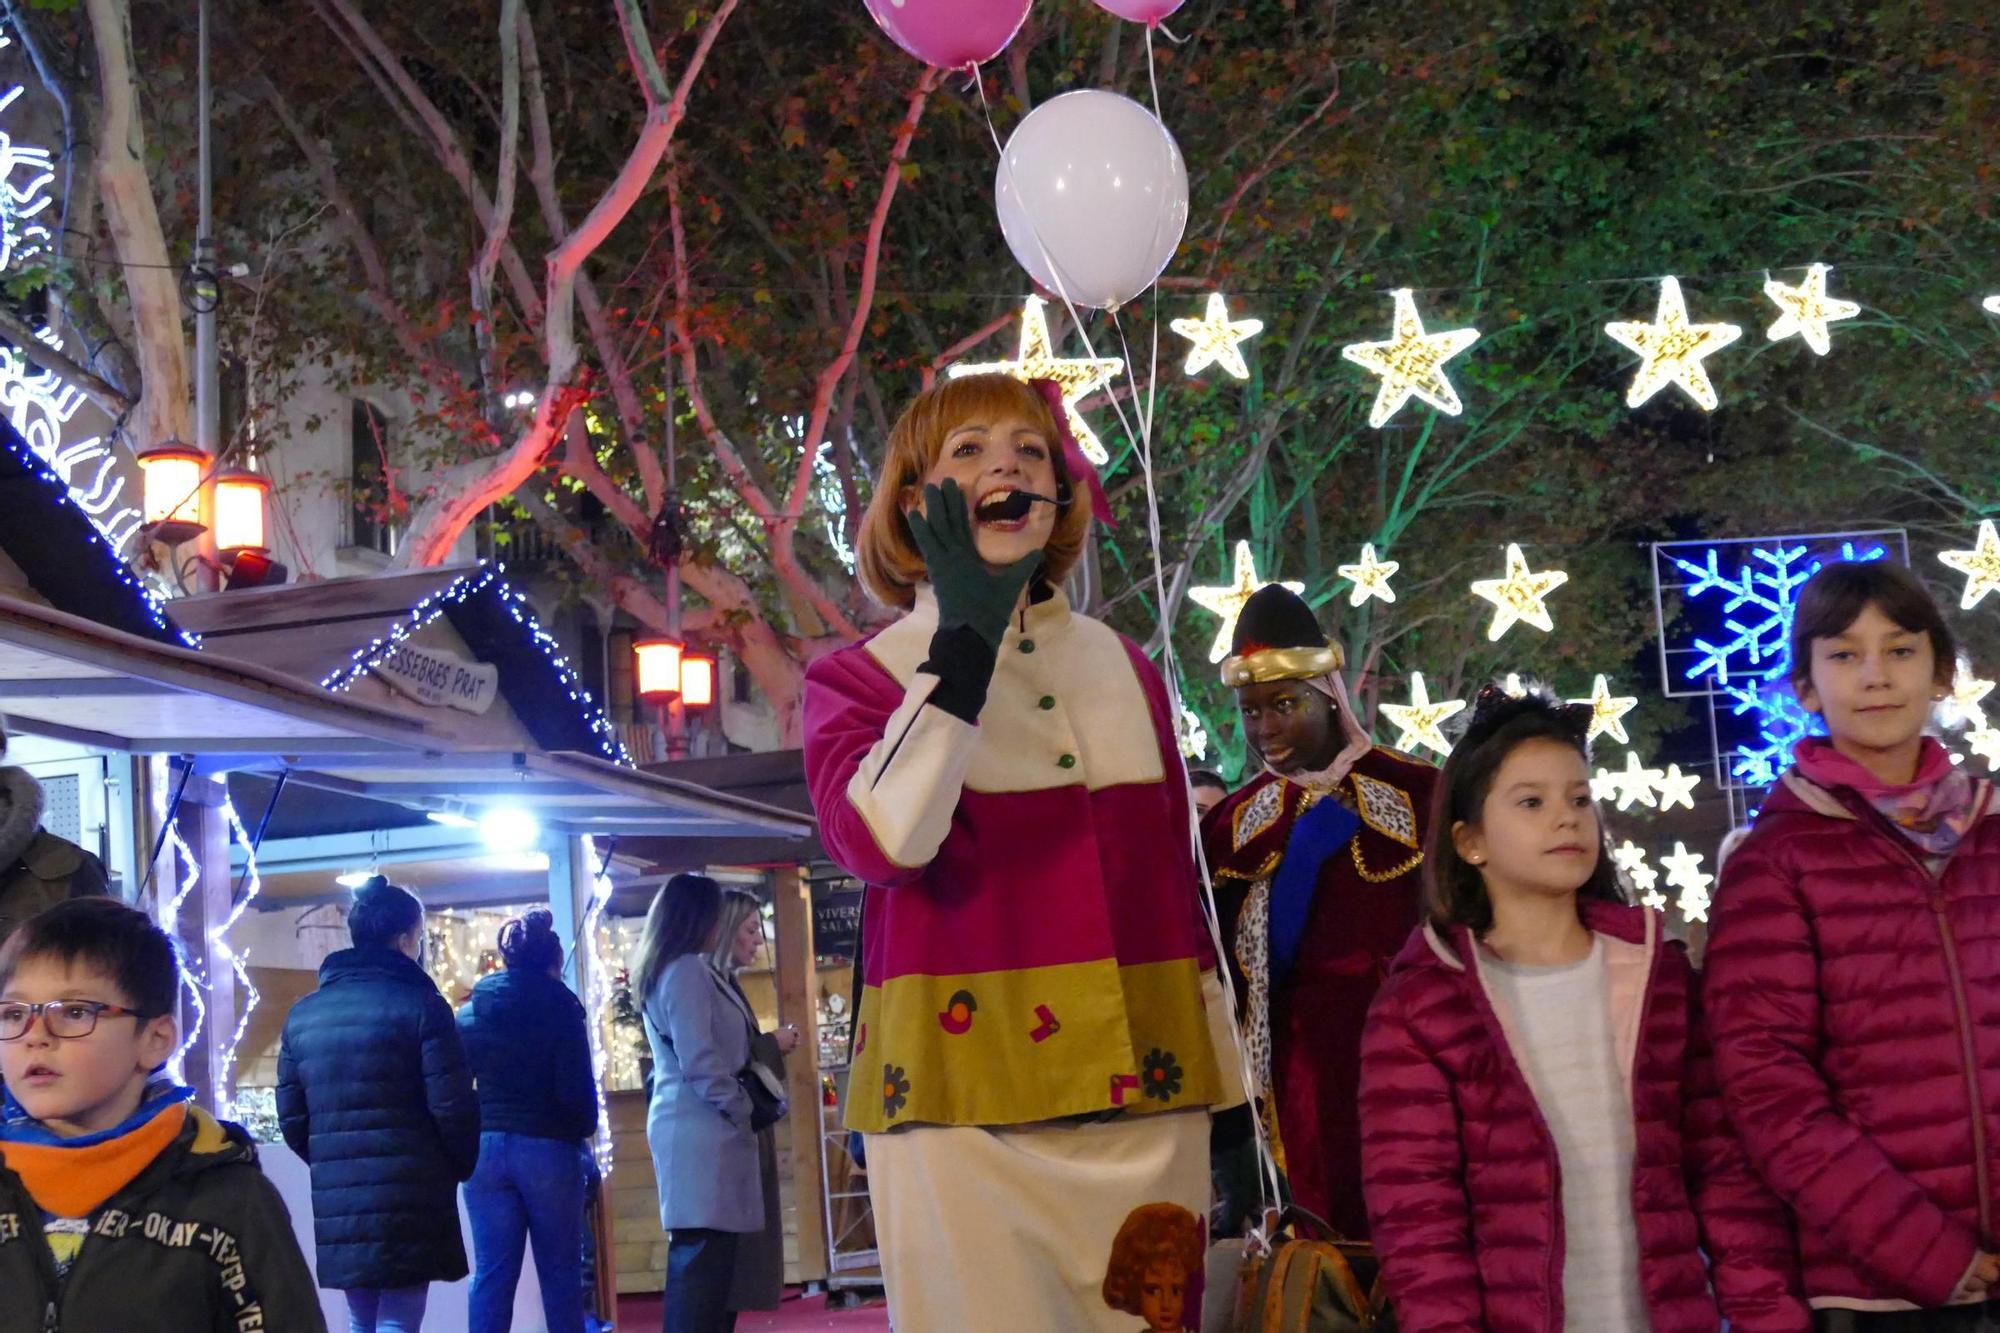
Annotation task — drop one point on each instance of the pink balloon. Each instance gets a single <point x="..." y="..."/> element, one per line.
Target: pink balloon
<point x="951" y="33"/>
<point x="1141" y="11"/>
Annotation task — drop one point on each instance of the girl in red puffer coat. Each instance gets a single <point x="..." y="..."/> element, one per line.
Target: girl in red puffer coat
<point x="1542" y="1146"/>
<point x="1853" y="984"/>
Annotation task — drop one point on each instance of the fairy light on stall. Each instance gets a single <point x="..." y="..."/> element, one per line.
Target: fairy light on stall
<point x="168" y="908"/>
<point x="225" y="1063"/>
<point x="437" y="603"/>
<point x="597" y="996"/>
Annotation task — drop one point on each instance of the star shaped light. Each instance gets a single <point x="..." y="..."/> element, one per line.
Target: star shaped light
<point x="1671" y="349"/>
<point x="1419" y="718"/>
<point x="1807" y="310"/>
<point x="1513" y="686"/>
<point x="1607" y="715"/>
<point x="1076" y="376"/>
<point x="1676" y="788"/>
<point x="1411" y="364"/>
<point x="1217" y="338"/>
<point x="1603" y="785"/>
<point x="1684" y="872"/>
<point x="1985" y="742"/>
<point x="1980" y="565"/>
<point x="1370" y="577"/>
<point x="1520" y="595"/>
<point x="1633" y="783"/>
<point x="1962" y="706"/>
<point x="1227" y="601"/>
<point x="1193" y="736"/>
<point x="1991" y="305"/>
<point x="1627" y="855"/>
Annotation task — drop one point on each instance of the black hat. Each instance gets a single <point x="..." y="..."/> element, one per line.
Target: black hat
<point x="1278" y="638"/>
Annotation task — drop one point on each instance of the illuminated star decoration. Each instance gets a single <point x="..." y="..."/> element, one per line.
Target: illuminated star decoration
<point x="1631" y="858"/>
<point x="1519" y="596"/>
<point x="1991" y="305"/>
<point x="1076" y="376"/>
<point x="1607" y="714"/>
<point x="1370" y="577"/>
<point x="1807" y="310"/>
<point x="1419" y="718"/>
<point x="1227" y="601"/>
<point x="1962" y="707"/>
<point x="1676" y="788"/>
<point x="1684" y="872"/>
<point x="1193" y="737"/>
<point x="1633" y="783"/>
<point x="1513" y="686"/>
<point x="1217" y="339"/>
<point x="1980" y="565"/>
<point x="1671" y="349"/>
<point x="1985" y="742"/>
<point x="1411" y="363"/>
<point x="1603" y="785"/>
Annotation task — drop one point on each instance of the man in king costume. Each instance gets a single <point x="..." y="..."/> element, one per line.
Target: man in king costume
<point x="1317" y="867"/>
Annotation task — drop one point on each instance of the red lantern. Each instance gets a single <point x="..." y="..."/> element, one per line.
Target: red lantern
<point x="697" y="680"/>
<point x="658" y="663"/>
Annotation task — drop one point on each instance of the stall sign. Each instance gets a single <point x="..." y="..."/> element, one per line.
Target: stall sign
<point x="439" y="678"/>
<point x="837" y="923"/>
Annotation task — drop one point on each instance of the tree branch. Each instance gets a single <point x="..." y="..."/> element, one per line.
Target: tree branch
<point x="101" y="391"/>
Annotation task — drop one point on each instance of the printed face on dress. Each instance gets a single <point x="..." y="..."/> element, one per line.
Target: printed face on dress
<point x="1162" y="1296"/>
<point x="1289" y="724"/>
<point x="749" y="939"/>
<point x="79" y="1085"/>
<point x="1874" y="683"/>
<point x="991" y="457"/>
<point x="1537" y="832"/>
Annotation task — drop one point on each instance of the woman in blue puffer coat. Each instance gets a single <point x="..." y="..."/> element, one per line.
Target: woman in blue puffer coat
<point x="375" y="1094"/>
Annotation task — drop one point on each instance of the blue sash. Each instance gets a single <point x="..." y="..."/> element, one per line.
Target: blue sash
<point x="1316" y="836"/>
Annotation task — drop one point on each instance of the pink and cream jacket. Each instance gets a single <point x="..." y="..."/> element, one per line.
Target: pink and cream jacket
<point x="1032" y="939"/>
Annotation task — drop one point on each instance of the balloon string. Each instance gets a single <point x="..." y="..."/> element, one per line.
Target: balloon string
<point x="1177" y="41"/>
<point x="979" y="82"/>
<point x="1153" y="78"/>
<point x="1270" y="1188"/>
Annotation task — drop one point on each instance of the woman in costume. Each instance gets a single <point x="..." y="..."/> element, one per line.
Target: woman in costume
<point x="1033" y="1056"/>
<point x="1316" y="894"/>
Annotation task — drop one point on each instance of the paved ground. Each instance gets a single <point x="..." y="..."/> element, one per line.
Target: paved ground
<point x="641" y="1314"/>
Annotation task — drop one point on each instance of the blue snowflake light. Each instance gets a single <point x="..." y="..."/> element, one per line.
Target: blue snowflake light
<point x="1740" y="598"/>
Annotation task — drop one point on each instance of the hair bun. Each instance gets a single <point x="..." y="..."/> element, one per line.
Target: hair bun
<point x="538" y="921"/>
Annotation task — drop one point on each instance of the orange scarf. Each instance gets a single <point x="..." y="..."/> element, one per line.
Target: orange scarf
<point x="75" y="1182"/>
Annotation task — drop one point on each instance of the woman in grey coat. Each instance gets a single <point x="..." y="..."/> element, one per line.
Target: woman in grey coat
<point x="698" y="1126"/>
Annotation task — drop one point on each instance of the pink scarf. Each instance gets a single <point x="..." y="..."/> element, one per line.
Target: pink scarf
<point x="1933" y="810"/>
<point x="1356" y="741"/>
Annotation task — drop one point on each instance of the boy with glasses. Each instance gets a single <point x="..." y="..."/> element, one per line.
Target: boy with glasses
<point x="122" y="1205"/>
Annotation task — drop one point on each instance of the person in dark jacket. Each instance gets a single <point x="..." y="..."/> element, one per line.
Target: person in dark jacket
<point x="525" y="1035"/>
<point x="122" y="1206"/>
<point x="37" y="869"/>
<point x="375" y="1094"/>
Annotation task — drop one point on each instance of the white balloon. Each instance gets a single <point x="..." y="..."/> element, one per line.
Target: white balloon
<point x="1093" y="196"/>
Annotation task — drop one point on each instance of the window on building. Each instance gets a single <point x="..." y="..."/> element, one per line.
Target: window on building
<point x="368" y="517"/>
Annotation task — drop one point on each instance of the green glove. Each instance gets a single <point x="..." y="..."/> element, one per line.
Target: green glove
<point x="968" y="592"/>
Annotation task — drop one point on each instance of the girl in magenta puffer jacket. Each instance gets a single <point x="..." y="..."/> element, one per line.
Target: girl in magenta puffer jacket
<point x="1542" y="1147"/>
<point x="1853" y="984"/>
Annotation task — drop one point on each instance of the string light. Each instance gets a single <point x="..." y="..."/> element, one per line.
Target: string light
<point x="218" y="939"/>
<point x="1227" y="601"/>
<point x="1676" y="788"/>
<point x="1607" y="714"/>
<point x="1963" y="706"/>
<point x="1671" y="349"/>
<point x="1980" y="565"/>
<point x="1420" y="719"/>
<point x="1807" y="310"/>
<point x="1520" y="596"/>
<point x="1634" y="784"/>
<point x="1411" y="363"/>
<point x="1076" y="376"/>
<point x="1684" y="872"/>
<point x="597" y="996"/>
<point x="1370" y="578"/>
<point x="1218" y="339"/>
<point x="459" y="590"/>
<point x="113" y="564"/>
<point x="167" y="906"/>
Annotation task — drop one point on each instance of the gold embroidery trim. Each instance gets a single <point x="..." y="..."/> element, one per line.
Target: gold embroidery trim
<point x="1252" y="876"/>
<point x="1374" y="877"/>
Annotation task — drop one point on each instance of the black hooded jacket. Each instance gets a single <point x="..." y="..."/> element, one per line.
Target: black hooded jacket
<point x="375" y="1094"/>
<point x="524" y="1034"/>
<point x="198" y="1242"/>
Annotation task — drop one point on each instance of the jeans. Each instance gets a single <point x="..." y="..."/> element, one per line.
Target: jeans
<point x="386" y="1309"/>
<point x="1983" y="1318"/>
<point x="526" y="1190"/>
<point x="700" y="1267"/>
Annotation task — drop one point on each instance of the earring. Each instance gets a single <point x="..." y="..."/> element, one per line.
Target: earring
<point x="1478" y="860"/>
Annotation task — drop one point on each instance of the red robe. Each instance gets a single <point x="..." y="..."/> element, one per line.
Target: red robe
<point x="1367" y="901"/>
